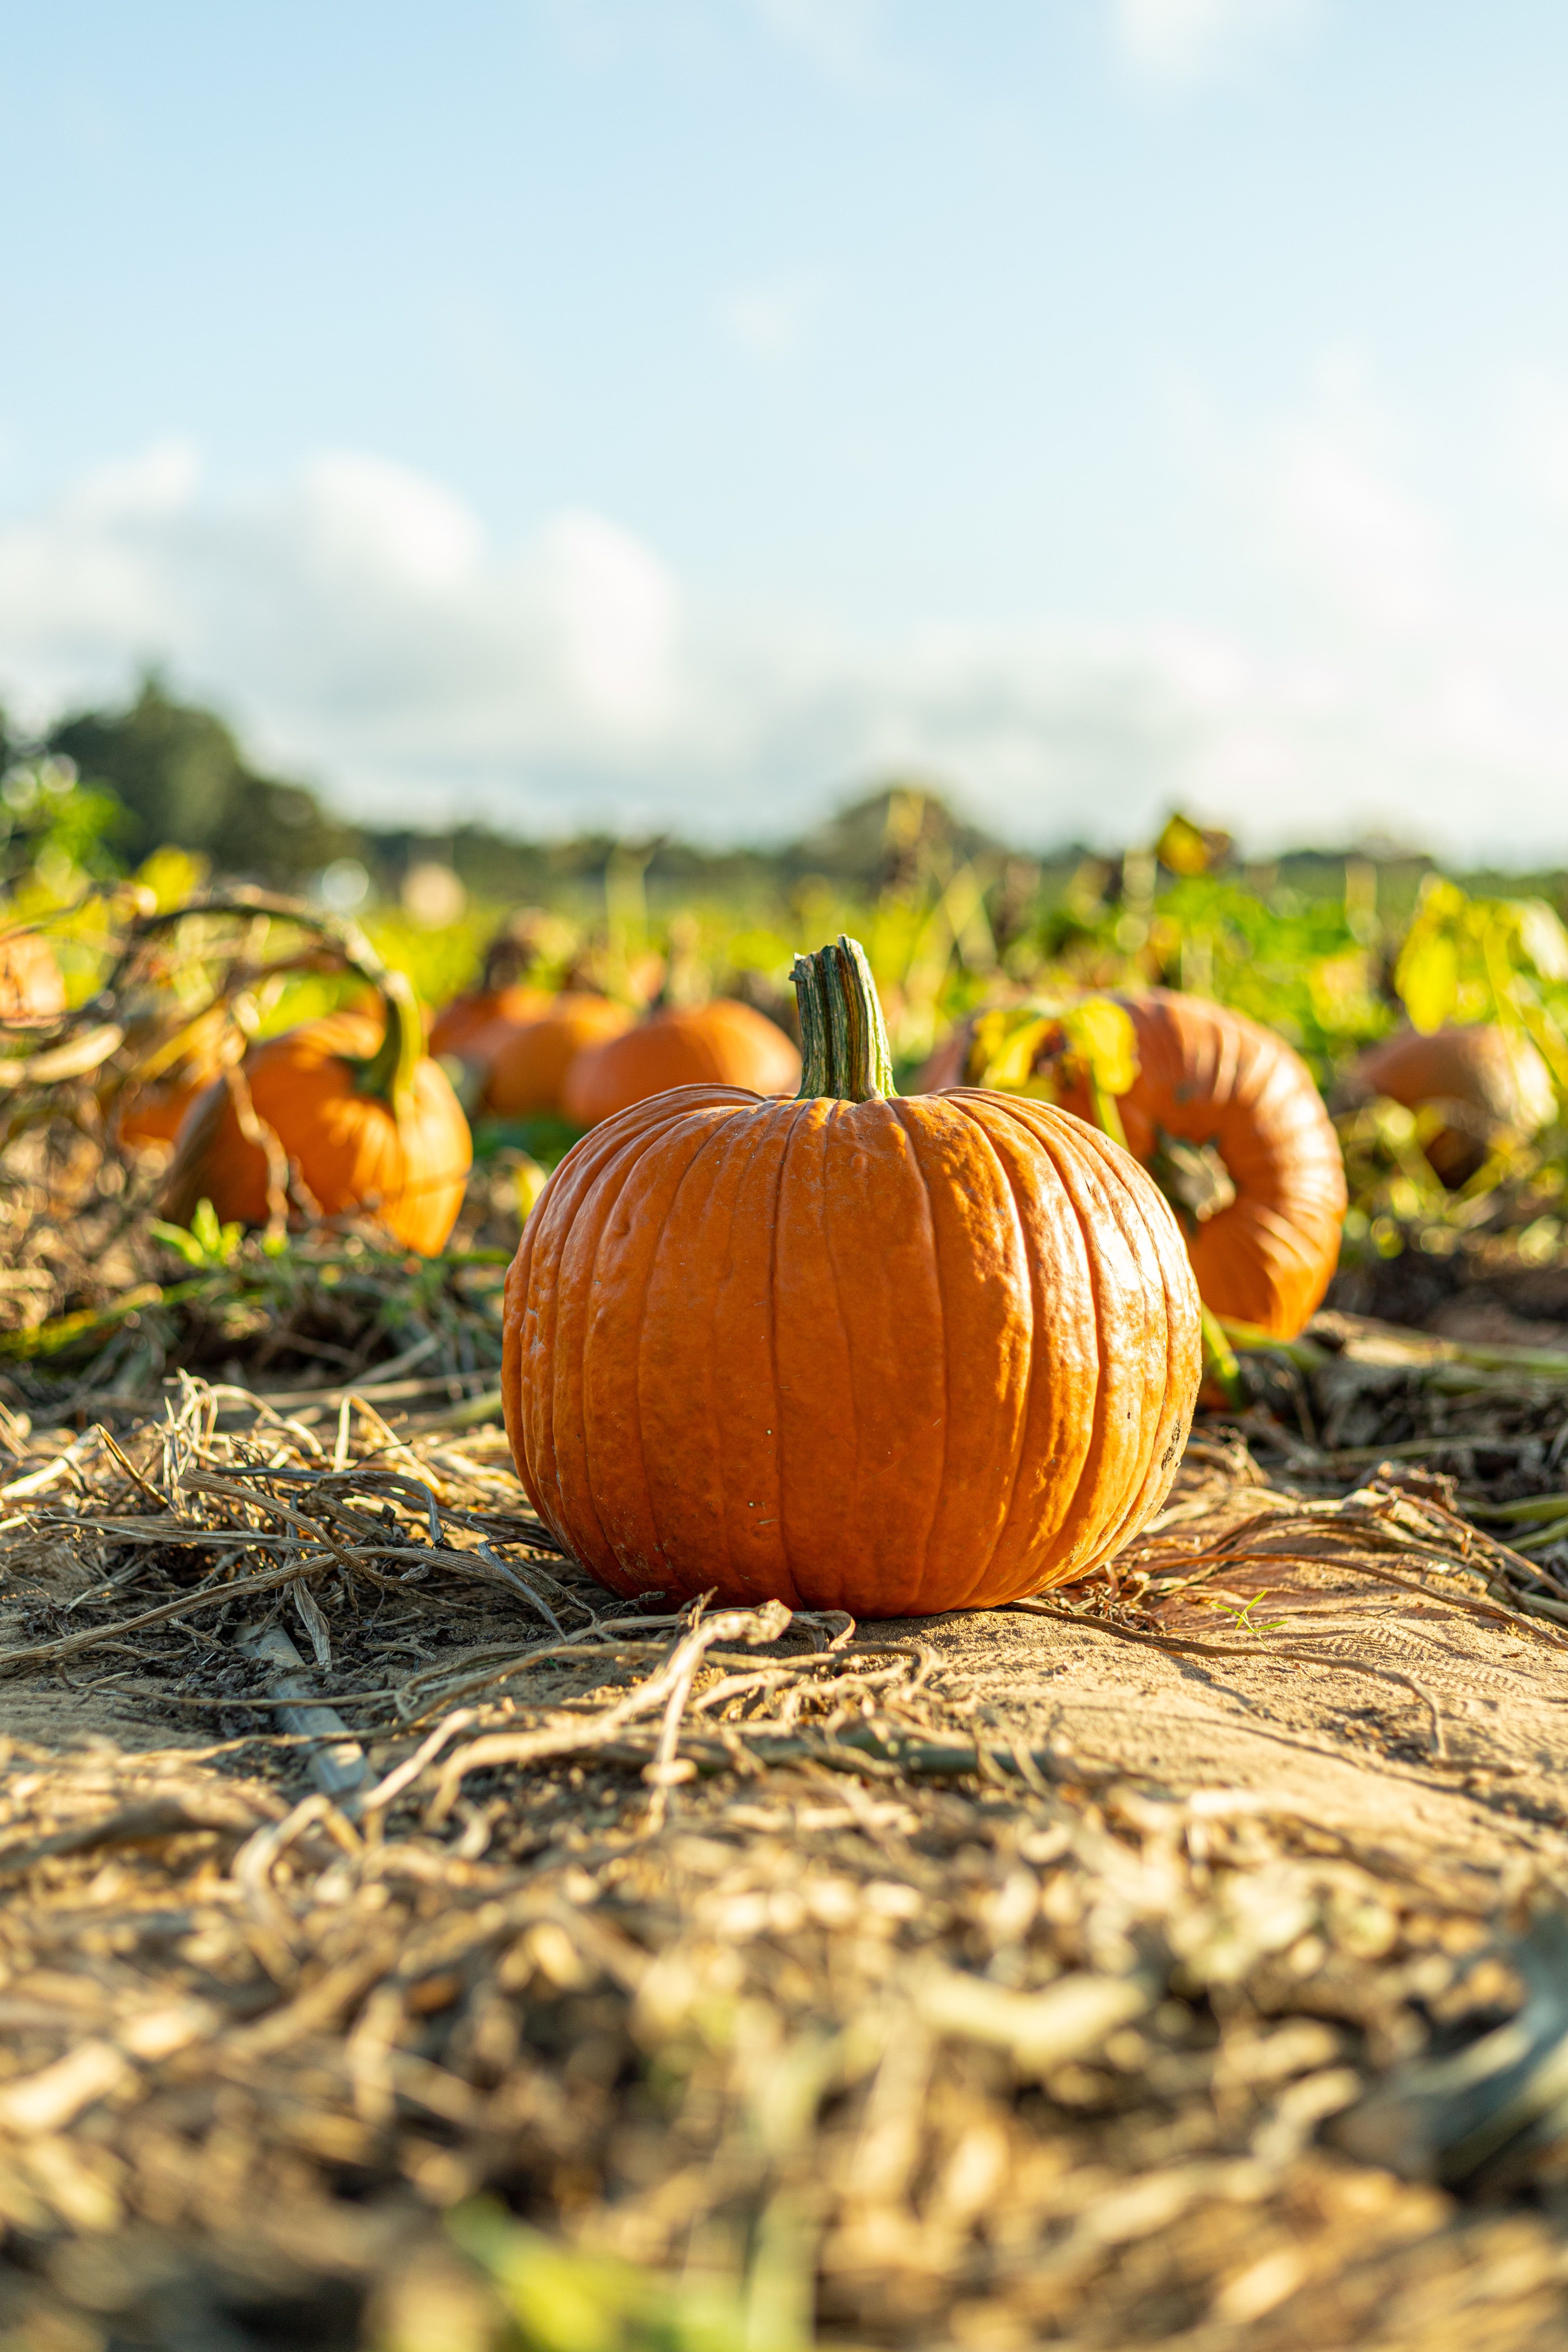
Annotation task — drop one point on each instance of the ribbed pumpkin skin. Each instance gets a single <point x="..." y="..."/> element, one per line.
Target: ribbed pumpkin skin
<point x="721" y="1043"/>
<point x="526" y="1062"/>
<point x="1206" y="1074"/>
<point x="458" y="1025"/>
<point x="31" y="988"/>
<point x="347" y="1145"/>
<point x="891" y="1357"/>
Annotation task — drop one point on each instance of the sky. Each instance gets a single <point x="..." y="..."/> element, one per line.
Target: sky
<point x="682" y="413"/>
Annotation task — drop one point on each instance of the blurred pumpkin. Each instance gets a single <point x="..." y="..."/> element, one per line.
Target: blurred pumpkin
<point x="721" y="1043"/>
<point x="459" y="1024"/>
<point x="503" y="993"/>
<point x="155" y="1114"/>
<point x="1491" y="1088"/>
<point x="847" y="1352"/>
<point x="1228" y="1121"/>
<point x="366" y="1120"/>
<point x="31" y="988"/>
<point x="151" y="1106"/>
<point x="525" y="1063"/>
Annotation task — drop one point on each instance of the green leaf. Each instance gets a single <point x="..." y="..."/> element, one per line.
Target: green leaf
<point x="176" y="1238"/>
<point x="207" y="1244"/>
<point x="562" y="2300"/>
<point x="1543" y="939"/>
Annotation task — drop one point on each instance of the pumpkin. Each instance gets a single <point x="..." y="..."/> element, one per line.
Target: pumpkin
<point x="723" y="1043"/>
<point x="155" y="1114"/>
<point x="525" y="1063"/>
<point x="1492" y="1086"/>
<point x="366" y="1123"/>
<point x="459" y="1024"/>
<point x="31" y="988"/>
<point x="1230" y="1120"/>
<point x="847" y="1350"/>
<point x="151" y="1104"/>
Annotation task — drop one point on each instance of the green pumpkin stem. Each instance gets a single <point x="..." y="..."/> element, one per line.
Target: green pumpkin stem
<point x="388" y="1075"/>
<point x="843" y="1042"/>
<point x="1219" y="1360"/>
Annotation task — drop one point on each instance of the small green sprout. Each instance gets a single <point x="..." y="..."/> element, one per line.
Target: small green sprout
<point x="206" y="1244"/>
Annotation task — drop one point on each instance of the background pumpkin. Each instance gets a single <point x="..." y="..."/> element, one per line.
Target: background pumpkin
<point x="722" y="1043"/>
<point x="369" y="1122"/>
<point x="152" y="1108"/>
<point x="459" y="1024"/>
<point x="525" y="1063"/>
<point x="1496" y="1085"/>
<point x="31" y="988"/>
<point x="1227" y="1117"/>
<point x="852" y="1352"/>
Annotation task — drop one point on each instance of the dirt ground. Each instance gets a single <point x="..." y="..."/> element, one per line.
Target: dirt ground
<point x="1175" y="1965"/>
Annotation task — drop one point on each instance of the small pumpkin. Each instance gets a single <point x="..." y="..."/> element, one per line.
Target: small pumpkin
<point x="503" y="993"/>
<point x="722" y="1043"/>
<point x="31" y="987"/>
<point x="365" y="1120"/>
<point x="1228" y="1119"/>
<point x="847" y="1350"/>
<point x="1492" y="1087"/>
<point x="525" y="1063"/>
<point x="458" y="1025"/>
<point x="151" y="1106"/>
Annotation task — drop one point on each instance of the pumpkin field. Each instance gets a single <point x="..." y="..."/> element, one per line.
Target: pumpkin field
<point x="787" y="1606"/>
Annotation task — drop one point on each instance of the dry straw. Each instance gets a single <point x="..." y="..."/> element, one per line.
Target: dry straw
<point x="730" y="1948"/>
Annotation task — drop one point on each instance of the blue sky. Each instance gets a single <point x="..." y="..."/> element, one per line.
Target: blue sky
<point x="678" y="411"/>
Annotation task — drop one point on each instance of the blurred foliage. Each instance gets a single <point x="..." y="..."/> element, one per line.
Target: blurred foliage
<point x="180" y="776"/>
<point x="140" y="808"/>
<point x="1503" y="959"/>
<point x="559" y="2299"/>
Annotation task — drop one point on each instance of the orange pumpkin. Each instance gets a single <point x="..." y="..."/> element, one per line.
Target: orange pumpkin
<point x="459" y="1024"/>
<point x="526" y="1062"/>
<point x="31" y="988"/>
<point x="722" y="1044"/>
<point x="1492" y="1086"/>
<point x="1228" y="1119"/>
<point x="155" y="1113"/>
<point x="367" y="1122"/>
<point x="847" y="1350"/>
<point x="151" y="1105"/>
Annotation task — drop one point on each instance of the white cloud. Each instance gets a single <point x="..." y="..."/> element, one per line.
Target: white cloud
<point x="840" y="40"/>
<point x="1327" y="489"/>
<point x="1176" y="42"/>
<point x="771" y="320"/>
<point x="360" y="627"/>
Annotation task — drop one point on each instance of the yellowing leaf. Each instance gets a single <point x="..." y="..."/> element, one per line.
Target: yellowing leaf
<point x="1006" y="1042"/>
<point x="1544" y="939"/>
<point x="1181" y="849"/>
<point x="1427" y="977"/>
<point x="1099" y="1034"/>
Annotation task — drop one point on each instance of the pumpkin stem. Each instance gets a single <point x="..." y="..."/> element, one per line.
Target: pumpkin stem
<point x="1219" y="1360"/>
<point x="388" y="1075"/>
<point x="843" y="1042"/>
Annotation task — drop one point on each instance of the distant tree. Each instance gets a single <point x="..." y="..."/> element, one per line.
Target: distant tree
<point x="895" y="839"/>
<point x="184" y="780"/>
